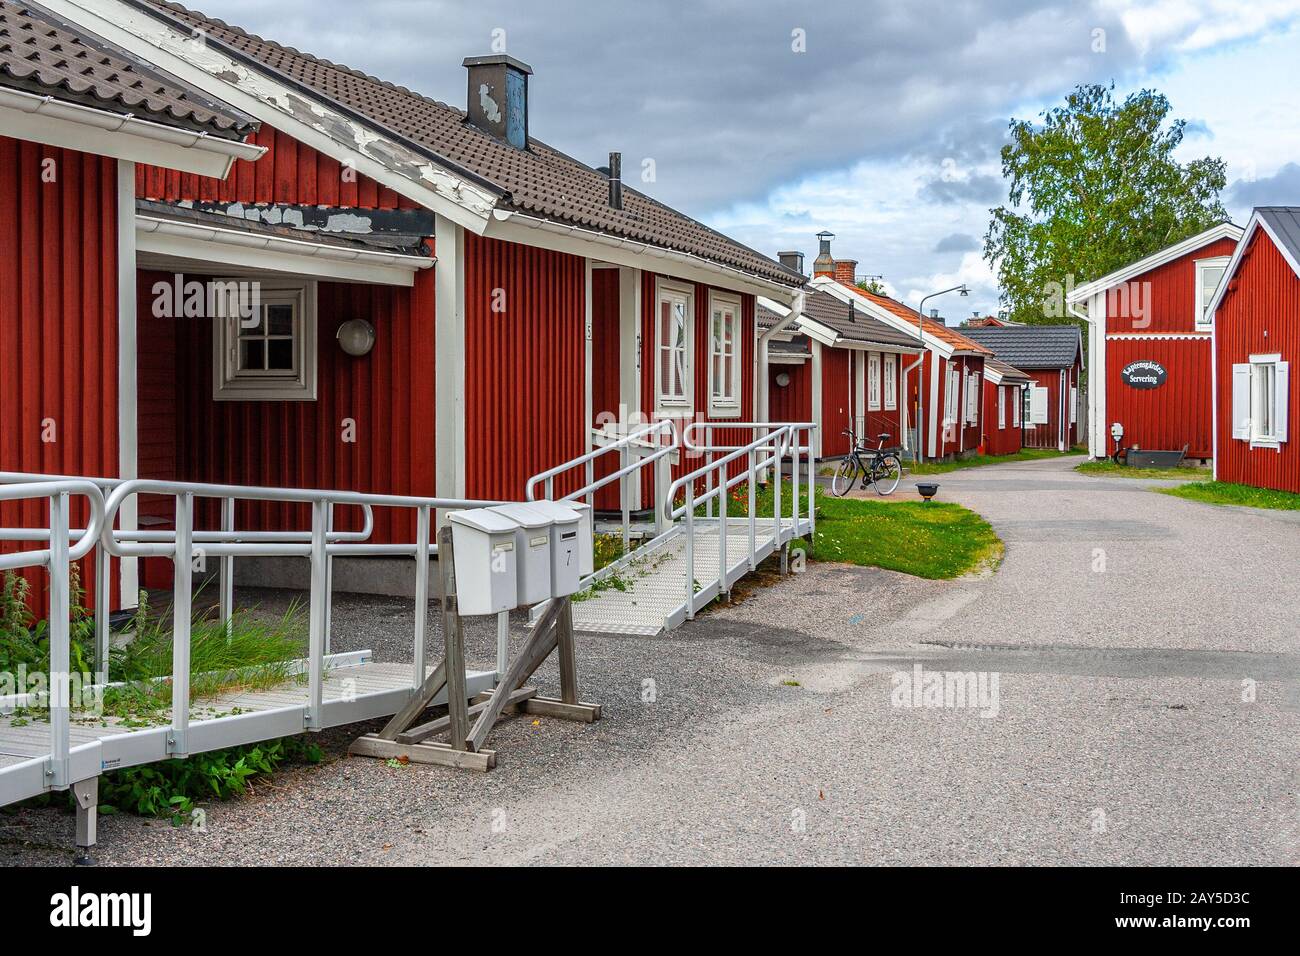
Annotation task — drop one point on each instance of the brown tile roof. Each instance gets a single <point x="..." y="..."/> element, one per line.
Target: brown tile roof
<point x="855" y="325"/>
<point x="539" y="181"/>
<point x="910" y="315"/>
<point x="42" y="53"/>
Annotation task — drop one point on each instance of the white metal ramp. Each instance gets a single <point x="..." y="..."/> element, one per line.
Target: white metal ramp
<point x="688" y="563"/>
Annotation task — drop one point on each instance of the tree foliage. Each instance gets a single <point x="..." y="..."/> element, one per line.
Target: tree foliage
<point x="1093" y="188"/>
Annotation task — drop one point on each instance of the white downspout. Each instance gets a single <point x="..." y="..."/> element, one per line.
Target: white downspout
<point x="1097" y="428"/>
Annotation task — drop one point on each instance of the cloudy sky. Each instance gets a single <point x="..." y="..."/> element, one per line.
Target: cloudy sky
<point x="878" y="121"/>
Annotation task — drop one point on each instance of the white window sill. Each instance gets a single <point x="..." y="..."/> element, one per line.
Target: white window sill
<point x="1272" y="443"/>
<point x="673" y="411"/>
<point x="724" y="411"/>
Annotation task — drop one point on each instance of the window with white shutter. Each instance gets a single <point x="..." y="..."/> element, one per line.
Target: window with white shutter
<point x="1002" y="406"/>
<point x="1016" y="406"/>
<point x="873" y="381"/>
<point x="1260" y="390"/>
<point x="891" y="382"/>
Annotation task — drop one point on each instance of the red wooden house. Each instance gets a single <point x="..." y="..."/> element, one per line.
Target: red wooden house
<point x="76" y="116"/>
<point x="941" y="385"/>
<point x="1256" y="312"/>
<point x="1004" y="402"/>
<point x="1052" y="356"/>
<point x="382" y="292"/>
<point x="1149" y="334"/>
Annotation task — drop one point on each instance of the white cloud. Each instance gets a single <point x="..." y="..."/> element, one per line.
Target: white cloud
<point x="1191" y="25"/>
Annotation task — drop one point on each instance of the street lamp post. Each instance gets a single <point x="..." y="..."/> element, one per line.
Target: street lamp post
<point x="920" y="390"/>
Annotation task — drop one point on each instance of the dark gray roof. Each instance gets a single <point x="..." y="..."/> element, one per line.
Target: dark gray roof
<point x="1284" y="222"/>
<point x="42" y="53"/>
<point x="1031" y="346"/>
<point x="539" y="181"/>
<point x="852" y="323"/>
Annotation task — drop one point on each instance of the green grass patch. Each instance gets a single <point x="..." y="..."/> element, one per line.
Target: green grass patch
<point x="979" y="461"/>
<point x="935" y="540"/>
<point x="1230" y="493"/>
<point x="1108" y="468"/>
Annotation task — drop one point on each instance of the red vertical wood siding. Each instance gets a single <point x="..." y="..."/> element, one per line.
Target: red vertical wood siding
<point x="289" y="172"/>
<point x="1049" y="434"/>
<point x="1162" y="300"/>
<point x="388" y="394"/>
<point x="1260" y="315"/>
<point x="793" y="402"/>
<point x="837" y="401"/>
<point x="1004" y="440"/>
<point x="525" y="387"/>
<point x="1178" y="412"/>
<point x="964" y="437"/>
<point x="58" y="326"/>
<point x="605" y="371"/>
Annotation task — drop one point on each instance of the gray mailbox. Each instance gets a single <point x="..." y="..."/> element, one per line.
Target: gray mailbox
<point x="566" y="545"/>
<point x="484" y="545"/>
<point x="533" y="544"/>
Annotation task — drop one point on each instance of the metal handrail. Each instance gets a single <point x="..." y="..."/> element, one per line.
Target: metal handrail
<point x="181" y="544"/>
<point x="777" y="440"/>
<point x="57" y="558"/>
<point x="657" y="460"/>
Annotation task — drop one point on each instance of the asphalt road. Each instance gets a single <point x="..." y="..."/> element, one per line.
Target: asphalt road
<point x="1134" y="665"/>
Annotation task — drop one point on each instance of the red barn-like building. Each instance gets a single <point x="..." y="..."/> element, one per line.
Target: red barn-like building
<point x="1256" y="340"/>
<point x="1149" y="344"/>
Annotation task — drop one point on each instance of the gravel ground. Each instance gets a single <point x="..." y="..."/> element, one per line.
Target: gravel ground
<point x="765" y="731"/>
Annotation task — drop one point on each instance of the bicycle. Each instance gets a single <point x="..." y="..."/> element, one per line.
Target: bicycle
<point x="883" y="468"/>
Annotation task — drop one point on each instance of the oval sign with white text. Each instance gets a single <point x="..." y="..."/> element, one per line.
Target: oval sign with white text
<point x="1144" y="374"/>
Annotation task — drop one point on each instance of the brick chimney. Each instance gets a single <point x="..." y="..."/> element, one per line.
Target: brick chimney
<point x="497" y="101"/>
<point x="824" y="265"/>
<point x="845" y="270"/>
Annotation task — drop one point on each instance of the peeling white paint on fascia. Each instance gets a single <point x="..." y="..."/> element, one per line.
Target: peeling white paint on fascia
<point x="401" y="168"/>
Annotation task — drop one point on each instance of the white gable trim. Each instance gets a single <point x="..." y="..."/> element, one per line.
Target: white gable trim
<point x="118" y="135"/>
<point x="1239" y="253"/>
<point x="307" y="119"/>
<point x="1224" y="230"/>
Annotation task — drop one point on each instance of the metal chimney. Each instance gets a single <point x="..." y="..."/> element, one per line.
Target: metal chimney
<point x="615" y="180"/>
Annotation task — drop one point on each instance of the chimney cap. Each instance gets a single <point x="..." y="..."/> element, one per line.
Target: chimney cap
<point x="498" y="59"/>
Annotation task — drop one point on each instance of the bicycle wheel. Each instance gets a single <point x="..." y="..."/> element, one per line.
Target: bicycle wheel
<point x="888" y="472"/>
<point x="845" y="474"/>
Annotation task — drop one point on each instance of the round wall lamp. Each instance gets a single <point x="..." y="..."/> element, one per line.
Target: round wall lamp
<point x="783" y="379"/>
<point x="356" y="337"/>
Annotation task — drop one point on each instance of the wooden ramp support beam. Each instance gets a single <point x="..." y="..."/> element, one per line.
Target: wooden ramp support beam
<point x="464" y="746"/>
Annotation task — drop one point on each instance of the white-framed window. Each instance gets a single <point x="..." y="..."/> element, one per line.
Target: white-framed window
<point x="891" y="382"/>
<point x="1036" y="404"/>
<point x="264" y="342"/>
<point x="951" y="396"/>
<point x="724" y="355"/>
<point x="1002" y="406"/>
<point x="1074" y="404"/>
<point x="1016" y="407"/>
<point x="873" y="381"/>
<point x="1260" y="396"/>
<point x="674" y="324"/>
<point x="973" y="398"/>
<point x="1208" y="274"/>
